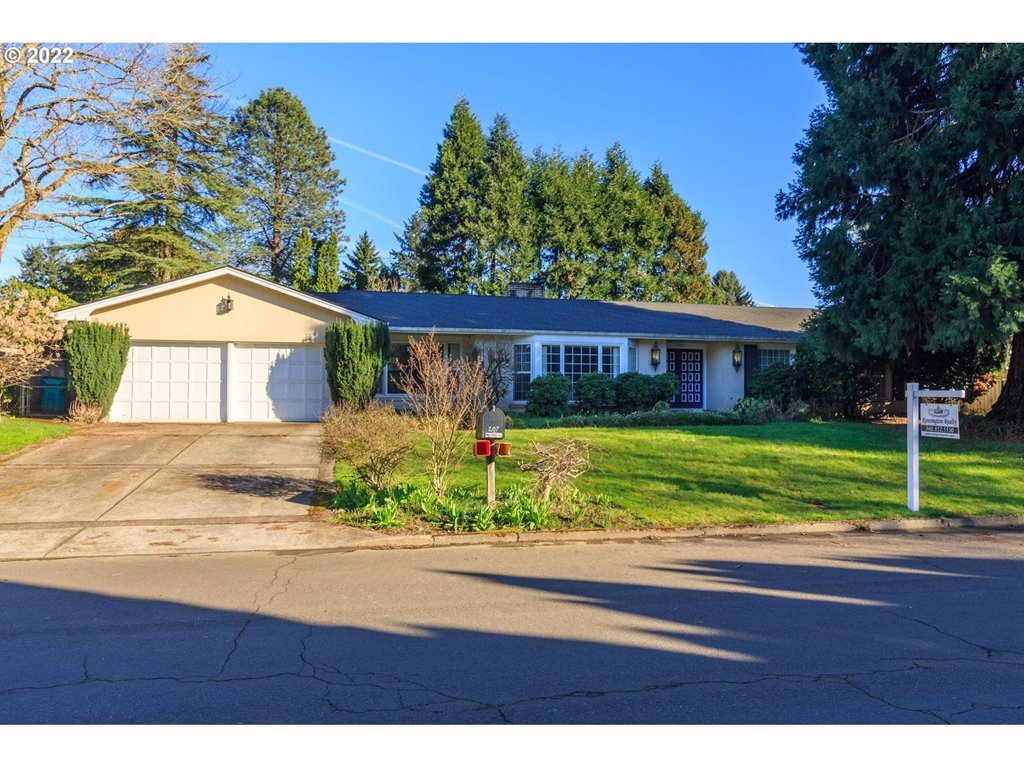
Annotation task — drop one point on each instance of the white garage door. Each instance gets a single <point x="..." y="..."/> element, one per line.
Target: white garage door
<point x="172" y="382"/>
<point x="279" y="383"/>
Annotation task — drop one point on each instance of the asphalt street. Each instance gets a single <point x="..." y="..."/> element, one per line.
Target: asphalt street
<point x="846" y="628"/>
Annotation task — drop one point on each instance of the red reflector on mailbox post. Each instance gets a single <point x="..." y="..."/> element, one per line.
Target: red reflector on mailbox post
<point x="482" y="448"/>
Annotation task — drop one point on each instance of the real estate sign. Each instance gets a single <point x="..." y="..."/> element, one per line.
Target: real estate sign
<point x="939" y="420"/>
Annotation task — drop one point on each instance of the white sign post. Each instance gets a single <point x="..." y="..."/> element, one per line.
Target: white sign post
<point x="938" y="420"/>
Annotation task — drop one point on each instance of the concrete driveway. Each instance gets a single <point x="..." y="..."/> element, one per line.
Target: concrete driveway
<point x="152" y="488"/>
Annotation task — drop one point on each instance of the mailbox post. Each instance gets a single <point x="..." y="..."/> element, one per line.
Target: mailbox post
<point x="490" y="427"/>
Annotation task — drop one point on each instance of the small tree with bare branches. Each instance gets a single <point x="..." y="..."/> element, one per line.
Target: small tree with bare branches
<point x="558" y="464"/>
<point x="496" y="360"/>
<point x="444" y="394"/>
<point x="29" y="338"/>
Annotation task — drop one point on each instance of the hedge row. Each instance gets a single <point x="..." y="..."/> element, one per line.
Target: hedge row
<point x="598" y="393"/>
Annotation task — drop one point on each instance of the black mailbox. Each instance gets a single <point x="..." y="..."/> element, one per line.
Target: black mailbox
<point x="490" y="425"/>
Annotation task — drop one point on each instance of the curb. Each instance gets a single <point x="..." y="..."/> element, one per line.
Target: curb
<point x="911" y="525"/>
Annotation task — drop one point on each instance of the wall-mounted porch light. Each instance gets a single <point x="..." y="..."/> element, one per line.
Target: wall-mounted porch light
<point x="225" y="305"/>
<point x="655" y="356"/>
<point x="737" y="357"/>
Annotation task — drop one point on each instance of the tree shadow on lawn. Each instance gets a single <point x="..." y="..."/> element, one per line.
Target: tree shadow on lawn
<point x="870" y="640"/>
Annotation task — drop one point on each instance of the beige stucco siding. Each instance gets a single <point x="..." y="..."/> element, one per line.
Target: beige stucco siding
<point x="260" y="314"/>
<point x="725" y="383"/>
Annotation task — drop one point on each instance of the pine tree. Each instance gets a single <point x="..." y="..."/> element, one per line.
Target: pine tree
<point x="404" y="258"/>
<point x="680" y="265"/>
<point x="325" y="266"/>
<point x="727" y="289"/>
<point x="507" y="253"/>
<point x="907" y="201"/>
<point x="285" y="165"/>
<point x="451" y="206"/>
<point x="301" y="268"/>
<point x="177" y="192"/>
<point x="364" y="269"/>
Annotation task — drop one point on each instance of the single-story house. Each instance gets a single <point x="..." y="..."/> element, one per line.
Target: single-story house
<point x="225" y="345"/>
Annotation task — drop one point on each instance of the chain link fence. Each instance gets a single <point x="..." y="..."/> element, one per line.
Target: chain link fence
<point x="45" y="395"/>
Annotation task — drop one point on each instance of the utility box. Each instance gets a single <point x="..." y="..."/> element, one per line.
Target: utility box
<point x="490" y="424"/>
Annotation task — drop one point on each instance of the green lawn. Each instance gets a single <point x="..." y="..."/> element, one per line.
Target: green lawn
<point x="17" y="433"/>
<point x="728" y="475"/>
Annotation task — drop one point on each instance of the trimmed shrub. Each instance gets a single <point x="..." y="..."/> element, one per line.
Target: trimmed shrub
<point x="595" y="392"/>
<point x="634" y="392"/>
<point x="97" y="355"/>
<point x="549" y="395"/>
<point x="797" y="410"/>
<point x="664" y="387"/>
<point x="778" y="383"/>
<point x="374" y="440"/>
<point x="652" y="418"/>
<point x="754" y="411"/>
<point x="354" y="354"/>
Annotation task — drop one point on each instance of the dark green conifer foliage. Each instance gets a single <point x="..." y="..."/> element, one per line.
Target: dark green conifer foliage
<point x="326" y="275"/>
<point x="364" y="269"/>
<point x="302" y="251"/>
<point x="97" y="354"/>
<point x="284" y="164"/>
<point x="908" y="203"/>
<point x="354" y="354"/>
<point x="726" y="288"/>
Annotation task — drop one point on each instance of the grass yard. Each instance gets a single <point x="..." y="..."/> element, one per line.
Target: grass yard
<point x="780" y="472"/>
<point x="17" y="433"/>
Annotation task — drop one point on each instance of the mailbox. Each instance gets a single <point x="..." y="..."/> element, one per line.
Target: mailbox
<point x="490" y="424"/>
<point x="482" y="448"/>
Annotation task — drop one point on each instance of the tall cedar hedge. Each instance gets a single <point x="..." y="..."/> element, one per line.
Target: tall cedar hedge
<point x="354" y="354"/>
<point x="97" y="355"/>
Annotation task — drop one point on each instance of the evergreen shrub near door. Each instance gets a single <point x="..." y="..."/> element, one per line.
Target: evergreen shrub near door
<point x="354" y="354"/>
<point x="97" y="355"/>
<point x="549" y="395"/>
<point x="595" y="392"/>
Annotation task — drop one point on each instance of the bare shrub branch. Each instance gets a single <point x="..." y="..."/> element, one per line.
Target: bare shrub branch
<point x="29" y="338"/>
<point x="375" y="440"/>
<point x="496" y="360"/>
<point x="445" y="396"/>
<point x="558" y="464"/>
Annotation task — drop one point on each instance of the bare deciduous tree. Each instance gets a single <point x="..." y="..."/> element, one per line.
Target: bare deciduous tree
<point x="59" y="122"/>
<point x="445" y="395"/>
<point x="496" y="360"/>
<point x="29" y="338"/>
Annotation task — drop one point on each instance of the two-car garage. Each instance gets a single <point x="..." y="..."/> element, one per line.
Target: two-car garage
<point x="222" y="382"/>
<point x="220" y="346"/>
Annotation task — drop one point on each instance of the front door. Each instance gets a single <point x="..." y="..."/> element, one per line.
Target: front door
<point x="688" y="366"/>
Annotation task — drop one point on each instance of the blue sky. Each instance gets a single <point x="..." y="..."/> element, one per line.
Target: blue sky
<point x="723" y="120"/>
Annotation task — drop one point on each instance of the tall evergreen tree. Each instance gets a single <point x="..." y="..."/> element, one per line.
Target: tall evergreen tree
<point x="680" y="266"/>
<point x="171" y="201"/>
<point x="451" y="206"/>
<point x="405" y="258"/>
<point x="507" y="253"/>
<point x="285" y="167"/>
<point x="566" y="195"/>
<point x="726" y="288"/>
<point x="43" y="266"/>
<point x="629" y="234"/>
<point x="302" y="252"/>
<point x="908" y="196"/>
<point x="364" y="269"/>
<point x="326" y="275"/>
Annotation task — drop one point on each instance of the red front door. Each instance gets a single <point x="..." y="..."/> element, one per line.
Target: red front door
<point x="688" y="366"/>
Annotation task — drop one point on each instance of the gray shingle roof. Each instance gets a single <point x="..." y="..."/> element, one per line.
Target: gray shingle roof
<point x="513" y="315"/>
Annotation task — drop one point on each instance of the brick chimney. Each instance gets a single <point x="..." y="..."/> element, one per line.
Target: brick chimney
<point x="525" y="290"/>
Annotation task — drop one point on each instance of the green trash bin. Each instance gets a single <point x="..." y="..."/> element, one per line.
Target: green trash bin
<point x="55" y="395"/>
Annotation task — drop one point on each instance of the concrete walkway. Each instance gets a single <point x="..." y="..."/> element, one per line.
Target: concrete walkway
<point x="166" y="489"/>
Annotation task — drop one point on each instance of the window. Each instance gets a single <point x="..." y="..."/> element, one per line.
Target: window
<point x="576" y="360"/>
<point x="610" y="361"/>
<point x="454" y="351"/>
<point x="631" y="360"/>
<point x="552" y="358"/>
<point x="522" y="366"/>
<point x="399" y="357"/>
<point x="768" y="357"/>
